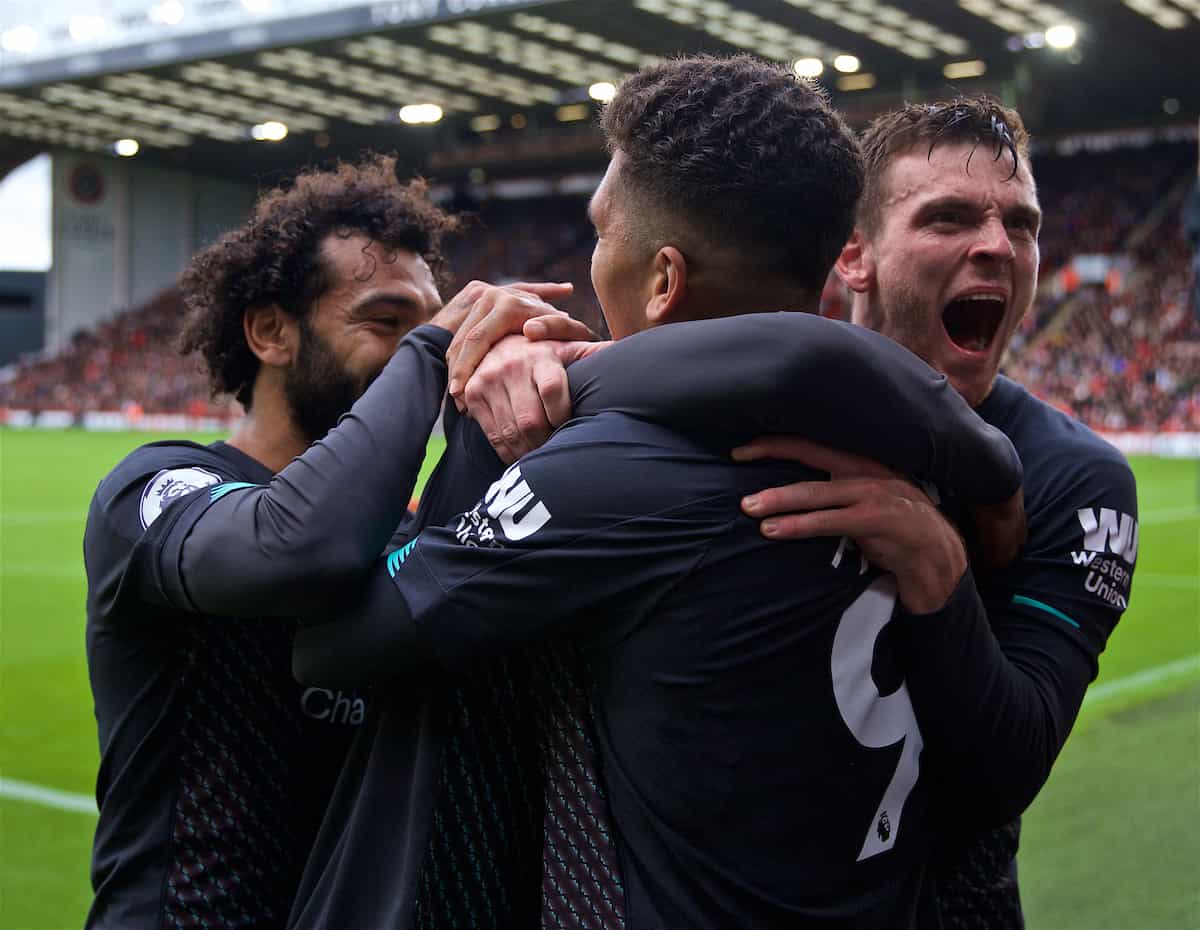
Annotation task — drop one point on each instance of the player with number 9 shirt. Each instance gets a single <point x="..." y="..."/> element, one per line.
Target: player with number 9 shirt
<point x="758" y="776"/>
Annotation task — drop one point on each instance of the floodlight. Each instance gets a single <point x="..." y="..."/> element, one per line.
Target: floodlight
<point x="420" y="113"/>
<point x="270" y="131"/>
<point x="126" y="148"/>
<point x="1062" y="36"/>
<point x="20" y="39"/>
<point x="809" y="67"/>
<point x="602" y="91"/>
<point x="847" y="64"/>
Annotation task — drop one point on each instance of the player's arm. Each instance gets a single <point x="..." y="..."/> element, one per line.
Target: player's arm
<point x="741" y="376"/>
<point x="288" y="547"/>
<point x="542" y="552"/>
<point x="232" y="548"/>
<point x="995" y="688"/>
<point x="797" y="373"/>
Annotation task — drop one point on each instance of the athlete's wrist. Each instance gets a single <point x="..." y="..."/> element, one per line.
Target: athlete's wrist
<point x="930" y="580"/>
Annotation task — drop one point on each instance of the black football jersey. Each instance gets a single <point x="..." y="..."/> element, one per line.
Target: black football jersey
<point x="215" y="764"/>
<point x="758" y="773"/>
<point x="1052" y="611"/>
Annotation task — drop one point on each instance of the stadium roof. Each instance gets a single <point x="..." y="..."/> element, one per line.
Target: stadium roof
<point x="208" y="84"/>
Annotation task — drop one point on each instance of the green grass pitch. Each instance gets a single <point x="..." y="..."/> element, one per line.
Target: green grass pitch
<point x="1112" y="843"/>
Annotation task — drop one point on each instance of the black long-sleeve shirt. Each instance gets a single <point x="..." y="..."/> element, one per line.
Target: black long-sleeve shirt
<point x="216" y="766"/>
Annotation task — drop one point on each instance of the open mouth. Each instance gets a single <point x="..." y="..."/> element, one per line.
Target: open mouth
<point x="971" y="322"/>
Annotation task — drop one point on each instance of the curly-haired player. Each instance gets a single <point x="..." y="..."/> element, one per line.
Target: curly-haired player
<point x="215" y="765"/>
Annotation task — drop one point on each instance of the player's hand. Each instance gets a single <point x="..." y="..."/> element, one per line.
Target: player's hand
<point x="889" y="518"/>
<point x="519" y="393"/>
<point x="497" y="312"/>
<point x="455" y="310"/>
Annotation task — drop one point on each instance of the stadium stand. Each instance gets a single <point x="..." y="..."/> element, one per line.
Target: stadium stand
<point x="1122" y="353"/>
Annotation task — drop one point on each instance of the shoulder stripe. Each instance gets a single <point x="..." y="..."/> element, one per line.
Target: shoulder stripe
<point x="1053" y="611"/>
<point x="222" y="489"/>
<point x="399" y="557"/>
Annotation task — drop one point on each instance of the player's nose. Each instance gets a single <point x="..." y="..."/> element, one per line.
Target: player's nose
<point x="993" y="242"/>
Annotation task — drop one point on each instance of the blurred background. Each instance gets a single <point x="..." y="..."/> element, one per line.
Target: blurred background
<point x="133" y="132"/>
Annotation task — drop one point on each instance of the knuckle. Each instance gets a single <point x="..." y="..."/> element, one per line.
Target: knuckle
<point x="549" y="385"/>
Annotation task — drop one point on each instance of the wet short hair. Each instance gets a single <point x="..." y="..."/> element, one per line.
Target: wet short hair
<point x="745" y="153"/>
<point x="978" y="120"/>
<point x="275" y="256"/>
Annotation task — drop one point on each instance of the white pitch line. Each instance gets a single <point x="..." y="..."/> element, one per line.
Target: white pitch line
<point x="14" y="790"/>
<point x="1140" y="680"/>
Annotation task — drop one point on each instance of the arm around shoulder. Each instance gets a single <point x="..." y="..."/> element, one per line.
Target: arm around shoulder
<point x="797" y="373"/>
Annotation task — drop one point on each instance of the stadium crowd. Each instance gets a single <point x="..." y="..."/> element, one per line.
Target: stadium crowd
<point x="1121" y="357"/>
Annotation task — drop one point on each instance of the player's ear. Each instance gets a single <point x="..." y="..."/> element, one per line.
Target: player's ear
<point x="272" y="334"/>
<point x="856" y="264"/>
<point x="669" y="286"/>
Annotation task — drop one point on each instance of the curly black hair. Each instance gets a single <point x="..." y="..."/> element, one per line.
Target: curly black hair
<point x="275" y="256"/>
<point x="975" y="120"/>
<point x="746" y="152"/>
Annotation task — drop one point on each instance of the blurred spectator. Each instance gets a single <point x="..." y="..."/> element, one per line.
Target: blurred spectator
<point x="128" y="363"/>
<point x="1126" y="360"/>
<point x="1191" y="228"/>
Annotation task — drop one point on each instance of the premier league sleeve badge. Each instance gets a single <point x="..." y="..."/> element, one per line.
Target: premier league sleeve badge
<point x="168" y="486"/>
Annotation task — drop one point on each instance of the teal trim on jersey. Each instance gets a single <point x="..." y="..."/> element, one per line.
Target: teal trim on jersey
<point x="222" y="489"/>
<point x="1052" y="611"/>
<point x="398" y="558"/>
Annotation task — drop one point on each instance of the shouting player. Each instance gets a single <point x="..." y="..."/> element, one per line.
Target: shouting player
<point x="944" y="259"/>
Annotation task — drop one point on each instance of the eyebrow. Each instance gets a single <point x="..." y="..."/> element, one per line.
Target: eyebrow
<point x="400" y="301"/>
<point x="1030" y="215"/>
<point x="948" y="202"/>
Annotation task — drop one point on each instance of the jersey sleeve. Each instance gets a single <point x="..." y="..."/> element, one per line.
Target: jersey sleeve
<point x="132" y="506"/>
<point x="293" y="546"/>
<point x="797" y="373"/>
<point x="543" y="552"/>
<point x="997" y="682"/>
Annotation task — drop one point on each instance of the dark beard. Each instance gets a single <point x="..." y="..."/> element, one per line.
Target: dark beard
<point x="318" y="389"/>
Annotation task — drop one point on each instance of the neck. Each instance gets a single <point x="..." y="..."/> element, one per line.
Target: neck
<point x="267" y="433"/>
